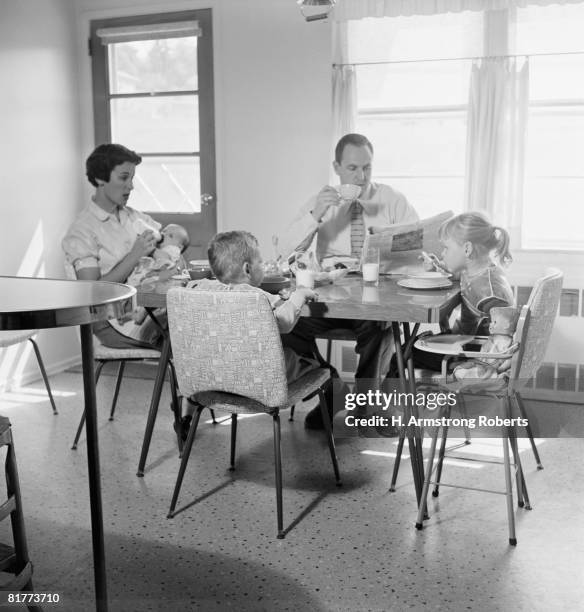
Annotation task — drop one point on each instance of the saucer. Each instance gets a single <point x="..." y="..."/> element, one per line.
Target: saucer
<point x="414" y="283"/>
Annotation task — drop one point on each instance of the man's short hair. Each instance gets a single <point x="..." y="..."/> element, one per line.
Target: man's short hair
<point x="357" y="140"/>
<point x="228" y="251"/>
<point x="105" y="158"/>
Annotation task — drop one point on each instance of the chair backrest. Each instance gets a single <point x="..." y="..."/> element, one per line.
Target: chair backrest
<point x="535" y="326"/>
<point x="227" y="340"/>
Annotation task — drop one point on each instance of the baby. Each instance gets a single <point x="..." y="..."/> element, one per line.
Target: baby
<point x="502" y="327"/>
<point x="174" y="239"/>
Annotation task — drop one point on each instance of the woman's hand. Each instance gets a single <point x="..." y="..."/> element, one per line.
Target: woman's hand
<point x="144" y="244"/>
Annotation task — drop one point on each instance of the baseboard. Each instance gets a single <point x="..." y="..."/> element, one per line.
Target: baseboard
<point x="34" y="374"/>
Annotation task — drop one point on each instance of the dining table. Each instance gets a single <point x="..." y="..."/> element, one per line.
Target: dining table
<point x="346" y="298"/>
<point x="43" y="303"/>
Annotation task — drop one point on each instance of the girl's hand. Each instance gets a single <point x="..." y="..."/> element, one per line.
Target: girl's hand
<point x="432" y="262"/>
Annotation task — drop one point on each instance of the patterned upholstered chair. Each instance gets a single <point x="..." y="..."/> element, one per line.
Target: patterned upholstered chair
<point x="10" y="338"/>
<point x="228" y="355"/>
<point x="533" y="334"/>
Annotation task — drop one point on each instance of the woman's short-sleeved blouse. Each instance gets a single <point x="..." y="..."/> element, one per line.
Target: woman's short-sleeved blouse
<point x="96" y="239"/>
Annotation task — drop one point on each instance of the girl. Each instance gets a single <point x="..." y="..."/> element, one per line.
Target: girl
<point x="474" y="251"/>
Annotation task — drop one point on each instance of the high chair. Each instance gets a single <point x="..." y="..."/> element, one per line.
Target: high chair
<point x="531" y="337"/>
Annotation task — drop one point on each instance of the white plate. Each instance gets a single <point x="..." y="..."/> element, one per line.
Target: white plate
<point x="412" y="283"/>
<point x="429" y="276"/>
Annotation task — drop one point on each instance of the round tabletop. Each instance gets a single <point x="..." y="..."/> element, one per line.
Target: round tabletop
<point x="40" y="303"/>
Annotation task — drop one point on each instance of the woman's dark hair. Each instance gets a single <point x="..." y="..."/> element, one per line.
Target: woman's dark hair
<point x="105" y="158"/>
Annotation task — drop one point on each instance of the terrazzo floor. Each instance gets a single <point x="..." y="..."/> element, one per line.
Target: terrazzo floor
<point x="348" y="549"/>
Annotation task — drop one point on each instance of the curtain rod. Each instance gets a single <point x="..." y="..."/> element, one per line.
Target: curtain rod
<point x="457" y="59"/>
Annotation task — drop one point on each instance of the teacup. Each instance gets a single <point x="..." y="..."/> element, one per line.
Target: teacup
<point x="348" y="192"/>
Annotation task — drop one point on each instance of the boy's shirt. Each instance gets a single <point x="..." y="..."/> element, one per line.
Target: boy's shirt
<point x="287" y="312"/>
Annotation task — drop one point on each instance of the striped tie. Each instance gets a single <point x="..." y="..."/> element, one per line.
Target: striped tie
<point x="357" y="229"/>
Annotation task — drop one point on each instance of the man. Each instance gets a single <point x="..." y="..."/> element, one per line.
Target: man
<point x="338" y="229"/>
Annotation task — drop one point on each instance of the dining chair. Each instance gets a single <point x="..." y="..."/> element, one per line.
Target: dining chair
<point x="14" y="560"/>
<point x="11" y="338"/>
<point x="531" y="338"/>
<point x="105" y="354"/>
<point x="228" y="355"/>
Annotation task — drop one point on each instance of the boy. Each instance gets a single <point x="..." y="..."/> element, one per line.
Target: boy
<point x="236" y="260"/>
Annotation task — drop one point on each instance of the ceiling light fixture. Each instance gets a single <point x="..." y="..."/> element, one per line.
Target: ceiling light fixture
<point x="314" y="10"/>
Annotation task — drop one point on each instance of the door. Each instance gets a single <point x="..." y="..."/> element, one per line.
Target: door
<point x="153" y="93"/>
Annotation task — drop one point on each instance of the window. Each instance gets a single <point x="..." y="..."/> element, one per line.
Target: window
<point x="153" y="92"/>
<point x="553" y="208"/>
<point x="413" y="109"/>
<point x="412" y="95"/>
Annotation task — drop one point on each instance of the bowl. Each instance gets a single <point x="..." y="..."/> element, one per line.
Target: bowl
<point x="275" y="284"/>
<point x="199" y="273"/>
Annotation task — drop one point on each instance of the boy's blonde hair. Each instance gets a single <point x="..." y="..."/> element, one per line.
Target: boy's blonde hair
<point x="474" y="227"/>
<point x="228" y="251"/>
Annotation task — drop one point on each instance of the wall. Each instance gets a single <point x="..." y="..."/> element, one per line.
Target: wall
<point x="40" y="157"/>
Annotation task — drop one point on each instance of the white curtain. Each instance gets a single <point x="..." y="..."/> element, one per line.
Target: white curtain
<point x="344" y="86"/>
<point x="360" y="9"/>
<point x="496" y="134"/>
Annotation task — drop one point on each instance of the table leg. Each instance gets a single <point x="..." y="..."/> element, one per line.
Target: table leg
<point x="156" y="393"/>
<point x="93" y="469"/>
<point x="415" y="448"/>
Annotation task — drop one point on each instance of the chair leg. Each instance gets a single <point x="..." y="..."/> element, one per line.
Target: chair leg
<point x="185" y="459"/>
<point x="441" y="454"/>
<point x="509" y="491"/>
<point x="519" y="401"/>
<point x="82" y="420"/>
<point x="422" y="508"/>
<point x="213" y="416"/>
<point x="400" y="448"/>
<point x="329" y="435"/>
<point x="233" y="441"/>
<point x="329" y="350"/>
<point x="291" y="417"/>
<point x="522" y="495"/>
<point x="175" y="405"/>
<point x="121" y="368"/>
<point x="278" y="468"/>
<point x="44" y="374"/>
<point x="464" y="414"/>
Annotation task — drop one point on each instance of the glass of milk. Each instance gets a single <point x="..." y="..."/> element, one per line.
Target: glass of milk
<point x="370" y="266"/>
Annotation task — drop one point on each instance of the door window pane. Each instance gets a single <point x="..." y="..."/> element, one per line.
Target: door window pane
<point x="153" y="65"/>
<point x="168" y="183"/>
<point x="167" y="124"/>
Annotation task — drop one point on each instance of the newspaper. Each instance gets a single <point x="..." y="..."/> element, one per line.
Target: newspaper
<point x="401" y="245"/>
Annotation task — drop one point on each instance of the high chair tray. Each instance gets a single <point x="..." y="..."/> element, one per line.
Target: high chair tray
<point x="450" y="344"/>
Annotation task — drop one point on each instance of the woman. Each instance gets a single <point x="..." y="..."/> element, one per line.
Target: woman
<point x="108" y="238"/>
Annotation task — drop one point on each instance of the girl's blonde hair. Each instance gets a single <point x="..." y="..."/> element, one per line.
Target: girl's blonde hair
<point x="474" y="227"/>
